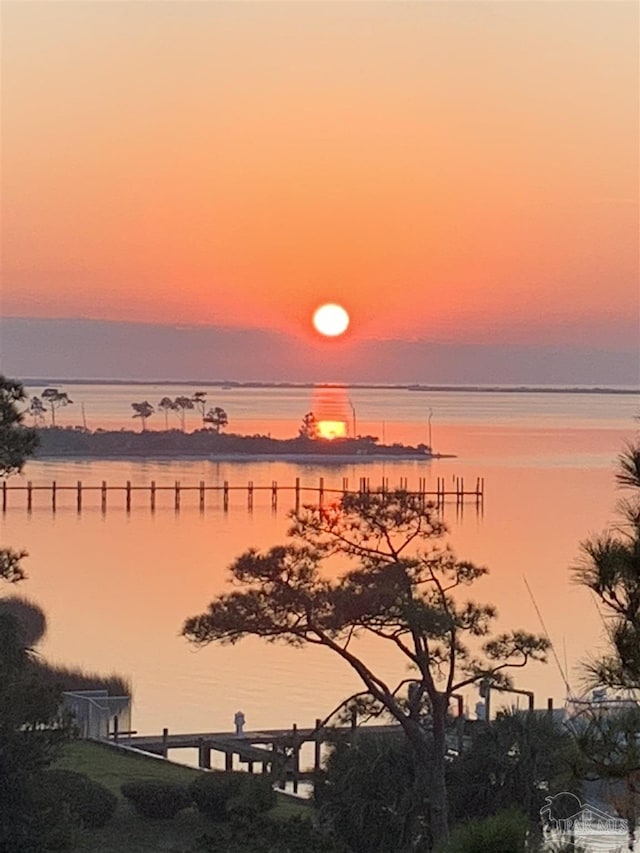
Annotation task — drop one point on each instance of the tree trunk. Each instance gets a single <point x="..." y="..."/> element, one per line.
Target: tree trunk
<point x="439" y="807"/>
<point x="430" y="781"/>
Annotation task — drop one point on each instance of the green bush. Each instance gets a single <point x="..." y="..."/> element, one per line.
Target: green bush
<point x="155" y="798"/>
<point x="90" y="802"/>
<point x="217" y="795"/>
<point x="505" y="832"/>
<point x="263" y="834"/>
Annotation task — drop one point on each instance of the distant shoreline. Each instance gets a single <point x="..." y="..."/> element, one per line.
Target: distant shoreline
<point x="301" y="458"/>
<point x="232" y="385"/>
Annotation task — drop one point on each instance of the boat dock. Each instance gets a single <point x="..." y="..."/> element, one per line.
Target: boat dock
<point x="274" y="751"/>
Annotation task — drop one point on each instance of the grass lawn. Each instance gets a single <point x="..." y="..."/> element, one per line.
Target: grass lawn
<point x="127" y="831"/>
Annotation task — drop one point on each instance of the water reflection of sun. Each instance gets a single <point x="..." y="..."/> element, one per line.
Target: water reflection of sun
<point x="330" y="408"/>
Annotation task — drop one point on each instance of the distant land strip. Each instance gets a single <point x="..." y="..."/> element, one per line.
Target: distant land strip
<point x="230" y="384"/>
<point x="70" y="442"/>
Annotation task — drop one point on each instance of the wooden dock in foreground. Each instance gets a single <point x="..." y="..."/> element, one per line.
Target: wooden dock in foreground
<point x="54" y="491"/>
<point x="273" y="751"/>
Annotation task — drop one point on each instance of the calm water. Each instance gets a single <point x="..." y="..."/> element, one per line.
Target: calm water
<point x="116" y="587"/>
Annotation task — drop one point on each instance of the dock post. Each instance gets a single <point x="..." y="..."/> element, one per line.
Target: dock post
<point x="204" y="754"/>
<point x="115" y="729"/>
<point x="225" y="496"/>
<point x="53" y="495"/>
<point x="345" y="486"/>
<point x="274" y="494"/>
<point x="296" y="758"/>
<point x="550" y="707"/>
<point x="29" y="495"/>
<point x="228" y="761"/>
<point x="152" y="495"/>
<point x="297" y="494"/>
<point x="79" y="496"/>
<point x="321" y="491"/>
<point x="4" y="496"/>
<point x="176" y="502"/>
<point x="165" y="743"/>
<point x="250" y="495"/>
<point x="128" y="496"/>
<point x="201" y="495"/>
<point x="103" y="496"/>
<point x="317" y="743"/>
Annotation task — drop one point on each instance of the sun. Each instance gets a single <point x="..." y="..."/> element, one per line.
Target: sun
<point x="331" y="320"/>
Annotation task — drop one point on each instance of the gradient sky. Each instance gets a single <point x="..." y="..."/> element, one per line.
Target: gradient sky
<point x="454" y="173"/>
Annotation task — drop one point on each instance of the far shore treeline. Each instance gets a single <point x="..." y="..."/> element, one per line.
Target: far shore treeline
<point x="101" y="444"/>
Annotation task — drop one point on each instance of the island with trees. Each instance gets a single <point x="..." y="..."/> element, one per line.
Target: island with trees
<point x="207" y="441"/>
<point x="73" y="442"/>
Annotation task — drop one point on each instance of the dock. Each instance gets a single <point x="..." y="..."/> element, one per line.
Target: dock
<point x="54" y="495"/>
<point x="271" y="751"/>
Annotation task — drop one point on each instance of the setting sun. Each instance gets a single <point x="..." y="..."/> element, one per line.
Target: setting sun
<point x="332" y="429"/>
<point x="331" y="320"/>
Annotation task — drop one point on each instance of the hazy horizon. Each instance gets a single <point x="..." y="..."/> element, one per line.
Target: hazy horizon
<point x="92" y="349"/>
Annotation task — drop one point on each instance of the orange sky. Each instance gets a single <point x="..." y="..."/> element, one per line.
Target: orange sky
<point x="447" y="170"/>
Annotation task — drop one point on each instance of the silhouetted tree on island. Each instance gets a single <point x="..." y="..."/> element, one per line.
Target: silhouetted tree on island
<point x="200" y="402"/>
<point x="216" y="418"/>
<point x="37" y="410"/>
<point x="404" y="589"/>
<point x="143" y="411"/>
<point x="166" y="405"/>
<point x="56" y="400"/>
<point x="309" y="426"/>
<point x="180" y="406"/>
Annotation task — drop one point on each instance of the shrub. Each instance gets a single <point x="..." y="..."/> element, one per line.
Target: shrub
<point x="90" y="802"/>
<point x="153" y="798"/>
<point x="263" y="834"/>
<point x="217" y="795"/>
<point x="504" y="832"/>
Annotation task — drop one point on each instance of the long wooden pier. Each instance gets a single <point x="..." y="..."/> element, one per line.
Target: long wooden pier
<point x="53" y="492"/>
